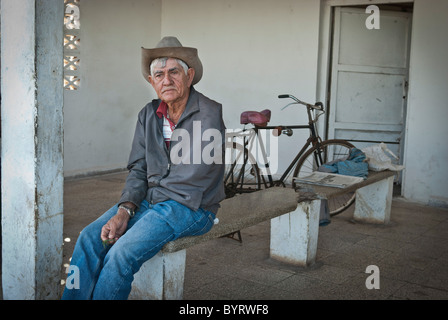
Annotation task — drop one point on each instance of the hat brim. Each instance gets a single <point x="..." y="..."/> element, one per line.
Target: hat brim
<point x="188" y="55"/>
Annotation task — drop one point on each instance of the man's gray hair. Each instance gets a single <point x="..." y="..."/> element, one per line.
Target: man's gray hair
<point x="163" y="61"/>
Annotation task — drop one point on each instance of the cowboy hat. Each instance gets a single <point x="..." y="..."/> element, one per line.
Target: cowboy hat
<point x="172" y="48"/>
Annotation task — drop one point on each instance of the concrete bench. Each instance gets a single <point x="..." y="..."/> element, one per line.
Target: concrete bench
<point x="373" y="196"/>
<point x="294" y="229"/>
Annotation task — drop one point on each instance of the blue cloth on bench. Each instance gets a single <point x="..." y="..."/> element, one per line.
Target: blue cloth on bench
<point x="354" y="165"/>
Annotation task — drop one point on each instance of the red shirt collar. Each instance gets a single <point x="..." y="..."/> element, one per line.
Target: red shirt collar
<point x="162" y="110"/>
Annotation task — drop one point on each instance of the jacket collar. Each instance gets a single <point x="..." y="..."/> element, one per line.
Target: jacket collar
<point x="192" y="104"/>
<point x="192" y="107"/>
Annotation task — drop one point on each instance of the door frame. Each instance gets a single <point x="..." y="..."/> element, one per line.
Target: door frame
<point x="323" y="86"/>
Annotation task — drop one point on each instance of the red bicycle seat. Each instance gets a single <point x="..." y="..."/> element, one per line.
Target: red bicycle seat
<point x="260" y="119"/>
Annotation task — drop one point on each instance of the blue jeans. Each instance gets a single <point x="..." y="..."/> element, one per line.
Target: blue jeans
<point x="106" y="273"/>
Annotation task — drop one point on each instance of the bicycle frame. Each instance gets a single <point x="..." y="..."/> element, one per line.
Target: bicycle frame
<point x="310" y="157"/>
<point x="312" y="140"/>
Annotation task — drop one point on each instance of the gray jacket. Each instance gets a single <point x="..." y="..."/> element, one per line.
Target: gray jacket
<point x="155" y="177"/>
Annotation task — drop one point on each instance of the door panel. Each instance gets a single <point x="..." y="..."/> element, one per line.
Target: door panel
<point x="371" y="95"/>
<point x="369" y="75"/>
<point x="384" y="47"/>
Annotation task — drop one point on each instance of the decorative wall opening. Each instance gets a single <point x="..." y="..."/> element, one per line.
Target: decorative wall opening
<point x="72" y="44"/>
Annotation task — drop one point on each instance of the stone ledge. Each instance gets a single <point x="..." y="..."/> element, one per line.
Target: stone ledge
<point x="243" y="211"/>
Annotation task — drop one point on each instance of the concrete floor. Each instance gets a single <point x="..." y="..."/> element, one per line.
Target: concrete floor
<point x="411" y="253"/>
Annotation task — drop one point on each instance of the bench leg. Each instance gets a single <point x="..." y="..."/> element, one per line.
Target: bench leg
<point x="160" y="278"/>
<point x="294" y="235"/>
<point x="373" y="202"/>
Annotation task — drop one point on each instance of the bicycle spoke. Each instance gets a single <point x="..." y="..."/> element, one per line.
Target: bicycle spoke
<point x="242" y="175"/>
<point x="326" y="152"/>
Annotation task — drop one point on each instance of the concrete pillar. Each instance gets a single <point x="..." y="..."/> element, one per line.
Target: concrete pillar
<point x="32" y="142"/>
<point x="294" y="235"/>
<point x="160" y="278"/>
<point x="373" y="202"/>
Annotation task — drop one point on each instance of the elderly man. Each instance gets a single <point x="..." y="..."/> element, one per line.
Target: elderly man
<point x="162" y="199"/>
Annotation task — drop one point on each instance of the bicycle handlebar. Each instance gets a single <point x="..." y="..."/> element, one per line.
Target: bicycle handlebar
<point x="318" y="106"/>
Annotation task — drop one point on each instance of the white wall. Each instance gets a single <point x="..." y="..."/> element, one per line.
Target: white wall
<point x="426" y="148"/>
<point x="252" y="51"/>
<point x="100" y="117"/>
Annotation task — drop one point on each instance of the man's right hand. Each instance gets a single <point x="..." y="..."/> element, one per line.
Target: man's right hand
<point x="115" y="227"/>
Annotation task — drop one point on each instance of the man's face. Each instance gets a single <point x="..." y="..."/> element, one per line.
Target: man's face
<point x="170" y="82"/>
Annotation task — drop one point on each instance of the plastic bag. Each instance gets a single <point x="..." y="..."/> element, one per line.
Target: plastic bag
<point x="379" y="158"/>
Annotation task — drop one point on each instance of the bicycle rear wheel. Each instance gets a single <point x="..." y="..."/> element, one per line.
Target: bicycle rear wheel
<point x="327" y="151"/>
<point x="242" y="174"/>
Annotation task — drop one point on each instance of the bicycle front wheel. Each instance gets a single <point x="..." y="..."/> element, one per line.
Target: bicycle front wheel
<point x="242" y="174"/>
<point x="326" y="151"/>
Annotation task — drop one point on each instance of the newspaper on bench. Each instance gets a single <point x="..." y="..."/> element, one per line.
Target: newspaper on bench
<point x="329" y="179"/>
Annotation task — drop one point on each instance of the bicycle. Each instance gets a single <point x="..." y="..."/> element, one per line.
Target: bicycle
<point x="243" y="173"/>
